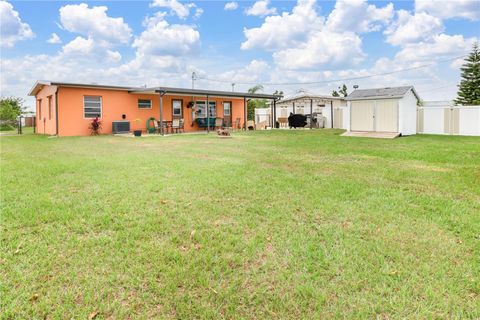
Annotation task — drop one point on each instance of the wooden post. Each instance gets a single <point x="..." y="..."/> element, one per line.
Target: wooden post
<point x="208" y="115"/>
<point x="161" y="113"/>
<point x="245" y="113"/>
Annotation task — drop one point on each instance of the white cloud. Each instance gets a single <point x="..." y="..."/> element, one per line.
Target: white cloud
<point x="413" y="28"/>
<point x="260" y="8"/>
<point x="254" y="71"/>
<point x="300" y="40"/>
<point x="54" y="39"/>
<point x="231" y="6"/>
<point x="79" y="46"/>
<point x="441" y="46"/>
<point x="94" y="22"/>
<point x="198" y="13"/>
<point x="160" y="38"/>
<point x="358" y="16"/>
<point x="181" y="10"/>
<point x="467" y="9"/>
<point x="12" y="29"/>
<point x="286" y="30"/>
<point x="323" y="49"/>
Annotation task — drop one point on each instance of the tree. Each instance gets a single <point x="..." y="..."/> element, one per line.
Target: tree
<point x="10" y="109"/>
<point x="255" y="103"/>
<point x="469" y="88"/>
<point x="341" y="91"/>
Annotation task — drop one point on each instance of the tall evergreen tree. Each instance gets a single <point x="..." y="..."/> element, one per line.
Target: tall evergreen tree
<point x="469" y="88"/>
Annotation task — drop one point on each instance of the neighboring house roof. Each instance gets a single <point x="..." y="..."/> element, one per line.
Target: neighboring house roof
<point x="154" y="90"/>
<point x="309" y="97"/>
<point x="381" y="93"/>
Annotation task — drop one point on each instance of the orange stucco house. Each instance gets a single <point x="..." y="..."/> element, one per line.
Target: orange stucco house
<point x="67" y="109"/>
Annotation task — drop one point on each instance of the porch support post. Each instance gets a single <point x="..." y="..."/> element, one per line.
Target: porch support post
<point x="311" y="113"/>
<point x="293" y="107"/>
<point x="272" y="114"/>
<point x="331" y="112"/>
<point x="161" y="112"/>
<point x="208" y="114"/>
<point x="245" y="113"/>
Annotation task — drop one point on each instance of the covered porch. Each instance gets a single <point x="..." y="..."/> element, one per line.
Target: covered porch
<point x="188" y="110"/>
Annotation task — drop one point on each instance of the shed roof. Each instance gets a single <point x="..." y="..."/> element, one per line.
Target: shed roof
<point x="381" y="93"/>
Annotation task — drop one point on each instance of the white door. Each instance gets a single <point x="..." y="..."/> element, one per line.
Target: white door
<point x="374" y="115"/>
<point x="362" y="115"/>
<point x="386" y="115"/>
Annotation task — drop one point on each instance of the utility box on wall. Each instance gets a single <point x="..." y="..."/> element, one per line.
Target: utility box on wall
<point x="120" y="126"/>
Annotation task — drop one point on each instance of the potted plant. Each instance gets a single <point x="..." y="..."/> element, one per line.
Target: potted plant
<point x="95" y="127"/>
<point x="138" y="131"/>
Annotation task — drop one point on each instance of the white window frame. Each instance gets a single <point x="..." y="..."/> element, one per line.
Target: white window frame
<point x="229" y="108"/>
<point x="204" y="114"/>
<point x="138" y="104"/>
<point x="101" y="107"/>
<point x="181" y="108"/>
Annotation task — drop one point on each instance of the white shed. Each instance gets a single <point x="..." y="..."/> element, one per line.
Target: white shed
<point x="392" y="109"/>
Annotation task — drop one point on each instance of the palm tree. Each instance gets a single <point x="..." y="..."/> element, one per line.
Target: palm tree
<point x="255" y="103"/>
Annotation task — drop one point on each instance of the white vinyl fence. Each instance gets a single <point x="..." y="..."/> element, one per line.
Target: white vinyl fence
<point x="461" y="120"/>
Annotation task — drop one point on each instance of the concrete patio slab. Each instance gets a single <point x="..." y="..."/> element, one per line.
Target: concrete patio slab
<point x="368" y="134"/>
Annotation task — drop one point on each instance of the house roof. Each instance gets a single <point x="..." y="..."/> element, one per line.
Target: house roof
<point x="381" y="93"/>
<point x="154" y="90"/>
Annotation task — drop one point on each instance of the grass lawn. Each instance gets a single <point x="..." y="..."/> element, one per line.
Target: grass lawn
<point x="273" y="224"/>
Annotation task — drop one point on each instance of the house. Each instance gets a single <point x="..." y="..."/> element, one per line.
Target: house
<point x="332" y="108"/>
<point x="391" y="109"/>
<point x="67" y="109"/>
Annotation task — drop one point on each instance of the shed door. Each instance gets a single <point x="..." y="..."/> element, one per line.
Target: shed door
<point x="362" y="115"/>
<point x="386" y="115"/>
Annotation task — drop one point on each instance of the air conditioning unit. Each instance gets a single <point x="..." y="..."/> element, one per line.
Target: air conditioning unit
<point x="120" y="126"/>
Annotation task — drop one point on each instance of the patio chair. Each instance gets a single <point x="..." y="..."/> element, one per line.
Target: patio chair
<point x="157" y="127"/>
<point x="218" y="123"/>
<point x="250" y="125"/>
<point x="181" y="126"/>
<point x="237" y="124"/>
<point x="175" y="125"/>
<point x="283" y="122"/>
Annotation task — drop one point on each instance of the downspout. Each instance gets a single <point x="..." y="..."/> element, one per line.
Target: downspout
<point x="56" y="111"/>
<point x="293" y="107"/>
<point x="274" y="125"/>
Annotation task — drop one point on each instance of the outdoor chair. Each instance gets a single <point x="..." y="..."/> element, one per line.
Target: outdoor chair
<point x="250" y="125"/>
<point x="283" y="122"/>
<point x="165" y="127"/>
<point x="175" y="125"/>
<point x="218" y="123"/>
<point x="181" y="126"/>
<point x="237" y="124"/>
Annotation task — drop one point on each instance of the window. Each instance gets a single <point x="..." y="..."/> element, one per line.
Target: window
<point x="92" y="107"/>
<point x="202" y="113"/>
<point x="177" y="108"/>
<point x="50" y="108"/>
<point x="39" y="108"/>
<point x="144" y="104"/>
<point x="226" y="109"/>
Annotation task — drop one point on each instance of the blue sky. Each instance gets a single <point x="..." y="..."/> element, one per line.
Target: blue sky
<point x="161" y="42"/>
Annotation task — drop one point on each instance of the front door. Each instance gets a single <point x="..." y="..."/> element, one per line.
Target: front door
<point x="227" y="113"/>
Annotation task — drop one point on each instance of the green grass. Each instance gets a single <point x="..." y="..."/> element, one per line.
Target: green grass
<point x="276" y="224"/>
